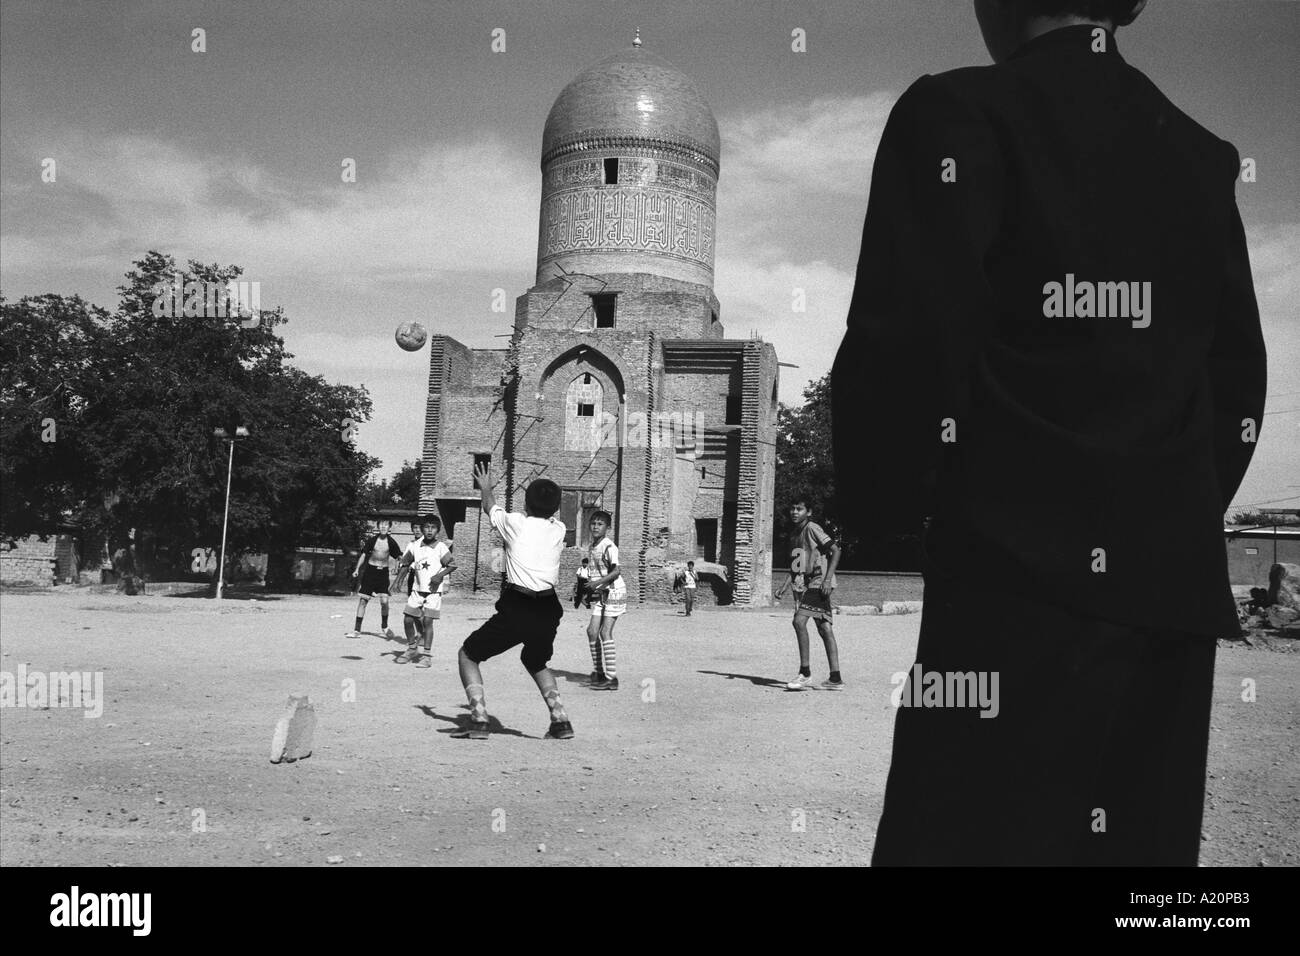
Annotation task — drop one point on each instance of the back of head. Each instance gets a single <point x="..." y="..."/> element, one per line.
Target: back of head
<point x="542" y="498"/>
<point x="1119" y="13"/>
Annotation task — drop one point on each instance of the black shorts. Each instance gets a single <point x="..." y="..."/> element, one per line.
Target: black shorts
<point x="530" y="621"/>
<point x="374" y="579"/>
<point x="816" y="604"/>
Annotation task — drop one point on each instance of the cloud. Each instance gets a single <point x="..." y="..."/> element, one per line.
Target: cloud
<point x="795" y="178"/>
<point x="449" y="208"/>
<point x="823" y="146"/>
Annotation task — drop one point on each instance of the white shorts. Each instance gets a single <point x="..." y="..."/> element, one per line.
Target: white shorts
<point x="608" y="608"/>
<point x="428" y="604"/>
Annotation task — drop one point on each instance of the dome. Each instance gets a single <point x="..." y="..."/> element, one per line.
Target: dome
<point x="636" y="94"/>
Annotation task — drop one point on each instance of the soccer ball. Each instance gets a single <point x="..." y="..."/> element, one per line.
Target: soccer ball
<point x="411" y="336"/>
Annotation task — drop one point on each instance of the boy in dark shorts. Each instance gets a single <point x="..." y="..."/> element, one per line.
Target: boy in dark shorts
<point x="528" y="611"/>
<point x="814" y="556"/>
<point x="372" y="568"/>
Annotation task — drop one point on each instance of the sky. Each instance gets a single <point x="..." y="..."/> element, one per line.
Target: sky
<point x="233" y="155"/>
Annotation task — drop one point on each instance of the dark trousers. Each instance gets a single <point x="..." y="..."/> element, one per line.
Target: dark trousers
<point x="520" y="619"/>
<point x="1096" y="756"/>
<point x="690" y="599"/>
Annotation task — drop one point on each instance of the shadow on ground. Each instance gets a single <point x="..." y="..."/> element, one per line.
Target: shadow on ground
<point x="756" y="681"/>
<point x="461" y="722"/>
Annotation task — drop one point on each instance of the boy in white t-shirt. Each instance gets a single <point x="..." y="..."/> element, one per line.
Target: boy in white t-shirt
<point x="429" y="561"/>
<point x="608" y="602"/>
<point x="580" y="583"/>
<point x="690" y="583"/>
<point x="528" y="611"/>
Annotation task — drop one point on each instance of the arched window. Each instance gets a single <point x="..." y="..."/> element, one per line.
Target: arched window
<point x="583" y="408"/>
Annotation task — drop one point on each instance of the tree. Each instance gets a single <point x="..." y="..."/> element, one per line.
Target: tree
<point x="47" y="347"/>
<point x="804" y="466"/>
<point x="1265" y="519"/>
<point x="402" y="491"/>
<point x="150" y="389"/>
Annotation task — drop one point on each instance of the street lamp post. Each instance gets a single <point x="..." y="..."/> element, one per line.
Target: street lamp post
<point x="240" y="432"/>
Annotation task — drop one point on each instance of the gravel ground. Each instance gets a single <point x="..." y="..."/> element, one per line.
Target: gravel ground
<point x="700" y="758"/>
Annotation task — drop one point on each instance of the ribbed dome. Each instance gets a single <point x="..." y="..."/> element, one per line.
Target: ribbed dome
<point x="631" y="93"/>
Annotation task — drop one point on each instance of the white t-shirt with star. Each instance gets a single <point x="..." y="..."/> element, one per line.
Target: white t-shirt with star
<point x="426" y="562"/>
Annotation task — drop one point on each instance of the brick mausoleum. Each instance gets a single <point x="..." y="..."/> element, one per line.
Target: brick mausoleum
<point x="619" y="383"/>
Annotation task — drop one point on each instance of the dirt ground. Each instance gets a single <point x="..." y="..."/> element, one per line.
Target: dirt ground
<point x="700" y="758"/>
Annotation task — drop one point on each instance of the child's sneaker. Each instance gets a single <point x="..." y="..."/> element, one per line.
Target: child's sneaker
<point x="406" y="656"/>
<point x="832" y="684"/>
<point x="594" y="678"/>
<point x="560" y="730"/>
<point x="388" y="633"/>
<point x="609" y="683"/>
<point x="801" y="682"/>
<point x="474" y="730"/>
<point x="424" y="660"/>
<point x="352" y="634"/>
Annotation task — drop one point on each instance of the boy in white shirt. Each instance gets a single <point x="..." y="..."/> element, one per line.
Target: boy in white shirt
<point x="528" y="611"/>
<point x="580" y="583"/>
<point x="689" y="585"/>
<point x="608" y="602"/>
<point x="429" y="561"/>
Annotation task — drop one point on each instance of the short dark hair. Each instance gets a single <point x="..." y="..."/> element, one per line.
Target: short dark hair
<point x="800" y="500"/>
<point x="1118" y="12"/>
<point x="690" y="564"/>
<point x="586" y="560"/>
<point x="542" y="497"/>
<point x="430" y="519"/>
<point x="603" y="516"/>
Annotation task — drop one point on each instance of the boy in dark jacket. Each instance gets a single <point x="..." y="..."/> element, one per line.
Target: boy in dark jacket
<point x="1054" y="352"/>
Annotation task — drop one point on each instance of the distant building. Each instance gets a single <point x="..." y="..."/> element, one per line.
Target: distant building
<point x="619" y="383"/>
<point x="1253" y="550"/>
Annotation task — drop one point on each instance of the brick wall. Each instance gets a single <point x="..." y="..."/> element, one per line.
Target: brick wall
<point x="669" y="307"/>
<point x="29" y="561"/>
<point x="529" y="428"/>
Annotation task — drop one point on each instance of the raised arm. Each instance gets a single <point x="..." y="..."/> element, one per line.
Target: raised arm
<point x="486" y="483"/>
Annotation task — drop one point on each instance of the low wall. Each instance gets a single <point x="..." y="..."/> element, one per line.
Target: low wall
<point x="1250" y="555"/>
<point x="29" y="561"/>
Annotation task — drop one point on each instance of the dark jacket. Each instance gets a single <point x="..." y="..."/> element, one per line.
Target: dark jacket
<point x="394" y="549"/>
<point x="1075" y="438"/>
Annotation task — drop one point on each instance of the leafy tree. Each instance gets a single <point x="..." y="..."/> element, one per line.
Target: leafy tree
<point x="805" y="468"/>
<point x="151" y="387"/>
<point x="47" y="348"/>
<point x="402" y="491"/>
<point x="1265" y="519"/>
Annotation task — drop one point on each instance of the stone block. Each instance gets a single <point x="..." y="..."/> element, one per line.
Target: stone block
<point x="294" y="730"/>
